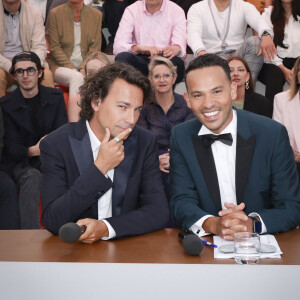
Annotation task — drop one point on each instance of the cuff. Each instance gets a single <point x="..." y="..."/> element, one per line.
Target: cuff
<point x="111" y="231"/>
<point x="197" y="227"/>
<point x="263" y="226"/>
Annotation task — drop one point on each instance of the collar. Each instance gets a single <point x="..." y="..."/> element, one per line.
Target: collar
<point x="231" y="127"/>
<point x="95" y="143"/>
<point x="8" y="13"/>
<point x="161" y="8"/>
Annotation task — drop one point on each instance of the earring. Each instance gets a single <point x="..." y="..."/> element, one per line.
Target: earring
<point x="247" y="85"/>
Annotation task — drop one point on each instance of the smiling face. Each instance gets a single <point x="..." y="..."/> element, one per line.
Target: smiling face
<point x="27" y="83"/>
<point x="162" y="79"/>
<point x="238" y="73"/>
<point x="209" y="96"/>
<point x="119" y="110"/>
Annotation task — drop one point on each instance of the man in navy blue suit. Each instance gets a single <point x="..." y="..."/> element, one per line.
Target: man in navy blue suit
<point x="102" y="171"/>
<point x="230" y="170"/>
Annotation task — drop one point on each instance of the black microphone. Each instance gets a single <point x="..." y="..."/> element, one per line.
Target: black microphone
<point x="71" y="232"/>
<point x="191" y="243"/>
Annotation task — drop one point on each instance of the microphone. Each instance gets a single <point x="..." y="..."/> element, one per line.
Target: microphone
<point x="191" y="243"/>
<point x="71" y="232"/>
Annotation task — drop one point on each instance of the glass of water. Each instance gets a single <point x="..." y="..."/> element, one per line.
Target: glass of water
<point x="246" y="247"/>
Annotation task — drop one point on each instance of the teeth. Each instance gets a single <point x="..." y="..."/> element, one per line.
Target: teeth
<point x="210" y="114"/>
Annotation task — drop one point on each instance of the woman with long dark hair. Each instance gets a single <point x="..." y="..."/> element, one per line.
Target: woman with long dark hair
<point x="284" y="16"/>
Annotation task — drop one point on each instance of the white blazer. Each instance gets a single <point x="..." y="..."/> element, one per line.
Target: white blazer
<point x="287" y="112"/>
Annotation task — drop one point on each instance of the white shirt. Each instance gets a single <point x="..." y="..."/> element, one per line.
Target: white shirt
<point x="202" y="34"/>
<point x="76" y="57"/>
<point x="225" y="158"/>
<point x="104" y="202"/>
<point x="291" y="38"/>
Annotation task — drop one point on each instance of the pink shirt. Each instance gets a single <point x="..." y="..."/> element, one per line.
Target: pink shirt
<point x="165" y="27"/>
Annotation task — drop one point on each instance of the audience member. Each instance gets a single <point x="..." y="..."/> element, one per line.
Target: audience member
<point x="102" y="172"/>
<point x="21" y="29"/>
<point x="284" y="17"/>
<point x="29" y="114"/>
<point x="246" y="98"/>
<point x="219" y="26"/>
<point x="149" y="28"/>
<point x="167" y="110"/>
<point x="287" y="111"/>
<point x="230" y="170"/>
<point x="74" y="33"/>
<point x="9" y="202"/>
<point x="94" y="62"/>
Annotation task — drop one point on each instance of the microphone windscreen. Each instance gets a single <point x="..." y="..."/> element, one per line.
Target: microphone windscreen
<point x="70" y="232"/>
<point x="192" y="244"/>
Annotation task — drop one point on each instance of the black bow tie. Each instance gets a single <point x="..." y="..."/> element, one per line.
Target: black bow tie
<point x="209" y="139"/>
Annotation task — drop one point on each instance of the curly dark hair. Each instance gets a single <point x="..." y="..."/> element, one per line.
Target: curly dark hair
<point x="278" y="20"/>
<point x="98" y="85"/>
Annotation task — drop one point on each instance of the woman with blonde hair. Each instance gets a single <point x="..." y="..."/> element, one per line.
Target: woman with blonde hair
<point x="94" y="62"/>
<point x="287" y="112"/>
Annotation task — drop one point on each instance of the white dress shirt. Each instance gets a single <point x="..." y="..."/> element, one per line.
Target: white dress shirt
<point x="104" y="202"/>
<point x="224" y="158"/>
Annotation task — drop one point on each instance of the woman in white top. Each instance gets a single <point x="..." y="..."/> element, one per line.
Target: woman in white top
<point x="284" y="17"/>
<point x="287" y="111"/>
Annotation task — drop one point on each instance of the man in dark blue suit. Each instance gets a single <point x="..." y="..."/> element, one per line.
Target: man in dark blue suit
<point x="231" y="170"/>
<point x="103" y="172"/>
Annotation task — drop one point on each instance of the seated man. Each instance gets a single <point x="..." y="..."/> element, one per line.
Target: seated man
<point x="219" y="26"/>
<point x="22" y="29"/>
<point x="29" y="113"/>
<point x="9" y="202"/>
<point x="102" y="171"/>
<point x="149" y="28"/>
<point x="231" y="170"/>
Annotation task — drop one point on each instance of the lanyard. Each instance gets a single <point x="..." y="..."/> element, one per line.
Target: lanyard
<point x="224" y="44"/>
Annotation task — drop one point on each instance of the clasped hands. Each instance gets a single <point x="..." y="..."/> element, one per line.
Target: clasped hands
<point x="230" y="221"/>
<point x="168" y="52"/>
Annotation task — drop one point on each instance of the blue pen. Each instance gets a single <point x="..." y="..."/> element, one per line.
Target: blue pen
<point x="209" y="244"/>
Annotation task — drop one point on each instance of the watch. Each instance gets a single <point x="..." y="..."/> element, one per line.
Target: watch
<point x="257" y="227"/>
<point x="265" y="33"/>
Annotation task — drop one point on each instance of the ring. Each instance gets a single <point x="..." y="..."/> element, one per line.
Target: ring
<point x="117" y="139"/>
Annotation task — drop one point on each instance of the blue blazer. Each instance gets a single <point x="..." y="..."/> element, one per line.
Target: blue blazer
<point x="72" y="184"/>
<point x="266" y="176"/>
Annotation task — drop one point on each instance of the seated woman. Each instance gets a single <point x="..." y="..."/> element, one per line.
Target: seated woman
<point x="94" y="62"/>
<point x="287" y="112"/>
<point x="284" y="17"/>
<point x="167" y="109"/>
<point x="246" y="98"/>
<point x="74" y="33"/>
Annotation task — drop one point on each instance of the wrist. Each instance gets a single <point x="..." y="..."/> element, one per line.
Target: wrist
<point x="210" y="225"/>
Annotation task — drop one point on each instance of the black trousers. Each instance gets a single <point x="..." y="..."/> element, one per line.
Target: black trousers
<point x="9" y="203"/>
<point x="141" y="61"/>
<point x="273" y="78"/>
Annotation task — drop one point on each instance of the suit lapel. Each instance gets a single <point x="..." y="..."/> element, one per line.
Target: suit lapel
<point x="122" y="172"/>
<point x="245" y="145"/>
<point x="207" y="165"/>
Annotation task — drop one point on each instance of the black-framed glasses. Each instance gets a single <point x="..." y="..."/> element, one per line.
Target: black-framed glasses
<point x="30" y="71"/>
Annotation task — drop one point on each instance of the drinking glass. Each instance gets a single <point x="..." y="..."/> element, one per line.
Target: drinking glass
<point x="246" y="248"/>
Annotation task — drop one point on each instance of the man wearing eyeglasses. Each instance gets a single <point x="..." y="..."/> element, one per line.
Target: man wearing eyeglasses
<point x="29" y="114"/>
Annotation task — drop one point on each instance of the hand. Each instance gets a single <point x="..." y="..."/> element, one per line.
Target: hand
<point x="288" y="74"/>
<point x="35" y="150"/>
<point x="297" y="156"/>
<point x="267" y="48"/>
<point x="164" y="162"/>
<point x="95" y="230"/>
<point x="202" y="52"/>
<point x="82" y="72"/>
<point x="111" y="152"/>
<point x="171" y="51"/>
<point x="150" y="50"/>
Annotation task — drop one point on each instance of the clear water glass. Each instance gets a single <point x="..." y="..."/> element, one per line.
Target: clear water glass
<point x="246" y="247"/>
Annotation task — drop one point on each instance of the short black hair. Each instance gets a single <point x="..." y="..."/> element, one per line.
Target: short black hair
<point x="206" y="61"/>
<point x="98" y="85"/>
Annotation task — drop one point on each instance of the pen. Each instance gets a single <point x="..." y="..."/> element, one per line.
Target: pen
<point x="209" y="244"/>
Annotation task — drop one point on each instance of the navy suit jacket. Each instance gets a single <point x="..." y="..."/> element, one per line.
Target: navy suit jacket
<point x="266" y="176"/>
<point x="72" y="184"/>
